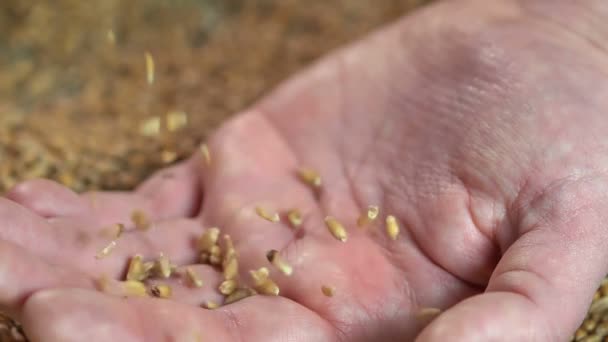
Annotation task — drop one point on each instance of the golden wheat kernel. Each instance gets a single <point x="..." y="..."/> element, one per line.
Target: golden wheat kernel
<point x="239" y="294"/>
<point x="231" y="267"/>
<point x="111" y="37"/>
<point x="328" y="291"/>
<point x="136" y="269"/>
<point x="370" y="214"/>
<point x="275" y="258"/>
<point x="602" y="329"/>
<point x="230" y="250"/>
<point x="161" y="291"/>
<point x="140" y="220"/>
<point x="259" y="276"/>
<point x="580" y="334"/>
<point x="597" y="295"/>
<point x="427" y="313"/>
<point x="149" y="67"/>
<point x="106" y="250"/>
<point x="600" y="306"/>
<point x="268" y="287"/>
<point x="227" y="287"/>
<point x="168" y="156"/>
<point x="164" y="266"/>
<point x="211" y="305"/>
<point x="150" y="127"/>
<point x="274" y="217"/>
<point x="215" y="255"/>
<point x="589" y="324"/>
<point x="392" y="227"/>
<point x="176" y="120"/>
<point x="134" y="288"/>
<point x="336" y="228"/>
<point x="208" y="239"/>
<point x="205" y="153"/>
<point x="295" y="218"/>
<point x="193" y="278"/>
<point x="310" y="177"/>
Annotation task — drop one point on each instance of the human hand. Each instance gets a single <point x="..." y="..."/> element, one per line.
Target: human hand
<point x="481" y="130"/>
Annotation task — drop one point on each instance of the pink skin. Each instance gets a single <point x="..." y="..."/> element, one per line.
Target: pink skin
<point x="481" y="128"/>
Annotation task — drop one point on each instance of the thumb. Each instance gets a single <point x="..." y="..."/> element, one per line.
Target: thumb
<point x="541" y="288"/>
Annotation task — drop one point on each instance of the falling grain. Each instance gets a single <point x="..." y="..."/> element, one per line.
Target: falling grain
<point x="111" y="37"/>
<point x="336" y="228"/>
<point x="149" y="68"/>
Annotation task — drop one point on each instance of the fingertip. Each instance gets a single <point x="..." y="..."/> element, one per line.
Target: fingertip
<point x="494" y="316"/>
<point x="47" y="198"/>
<point x="78" y="315"/>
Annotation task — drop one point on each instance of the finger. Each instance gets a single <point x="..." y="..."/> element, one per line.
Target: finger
<point x="243" y="176"/>
<point x="22" y="273"/>
<point x="543" y="284"/>
<point x="175" y="239"/>
<point x="23" y="228"/>
<point x="169" y="193"/>
<point x="47" y="198"/>
<point x="78" y="315"/>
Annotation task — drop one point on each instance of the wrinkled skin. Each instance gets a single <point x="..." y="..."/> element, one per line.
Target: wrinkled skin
<point x="482" y="128"/>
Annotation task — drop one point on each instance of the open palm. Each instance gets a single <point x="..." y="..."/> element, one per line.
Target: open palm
<point x="457" y="120"/>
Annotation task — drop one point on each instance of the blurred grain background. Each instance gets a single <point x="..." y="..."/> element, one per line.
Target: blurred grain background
<point x="73" y="91"/>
